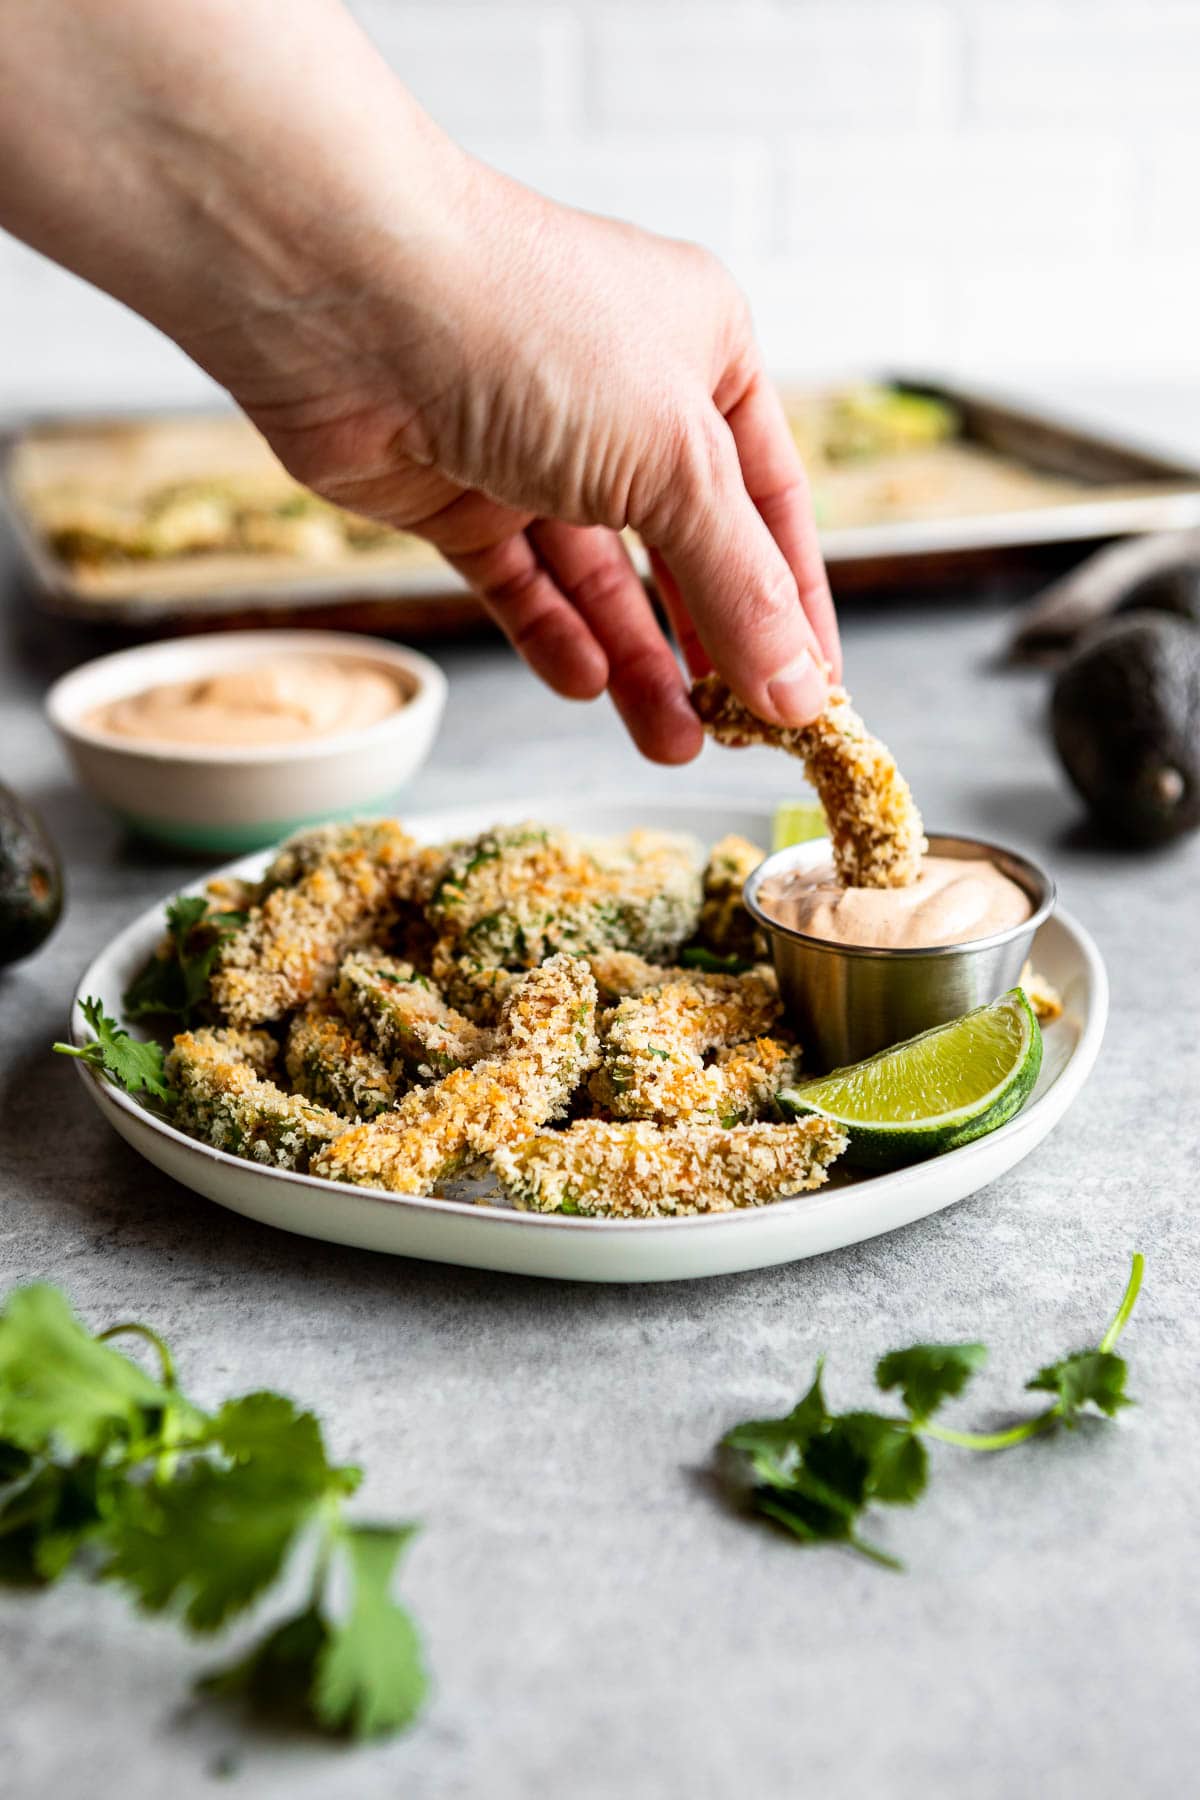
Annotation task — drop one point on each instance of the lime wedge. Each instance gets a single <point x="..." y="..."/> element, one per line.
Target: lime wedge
<point x="797" y="822"/>
<point x="935" y="1092"/>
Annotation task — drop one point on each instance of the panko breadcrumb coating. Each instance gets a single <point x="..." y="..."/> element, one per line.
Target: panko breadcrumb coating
<point x="433" y="1015"/>
<point x="876" y="830"/>
<point x="228" y="894"/>
<point x="636" y="1170"/>
<point x="402" y="1015"/>
<point x="746" y="1079"/>
<point x="545" y="1044"/>
<point x="476" y="991"/>
<point x="520" y="893"/>
<point x="653" y="1052"/>
<point x="383" y="840"/>
<point x="326" y="1062"/>
<point x="329" y="892"/>
<point x="726" y="928"/>
<point x="620" y="973"/>
<point x="1044" y="998"/>
<point x="224" y="1098"/>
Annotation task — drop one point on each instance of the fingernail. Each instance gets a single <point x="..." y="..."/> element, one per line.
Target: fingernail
<point x="799" y="691"/>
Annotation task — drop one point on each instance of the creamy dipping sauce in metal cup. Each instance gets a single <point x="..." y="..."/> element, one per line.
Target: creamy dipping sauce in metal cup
<point x="952" y="901"/>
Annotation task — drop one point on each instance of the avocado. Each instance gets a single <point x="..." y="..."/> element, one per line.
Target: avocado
<point x="30" y="880"/>
<point x="1126" y="720"/>
<point x="1175" y="589"/>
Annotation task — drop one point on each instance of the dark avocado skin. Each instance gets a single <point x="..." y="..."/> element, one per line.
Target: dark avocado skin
<point x="1126" y="719"/>
<point x="30" y="880"/>
<point x="1174" y="590"/>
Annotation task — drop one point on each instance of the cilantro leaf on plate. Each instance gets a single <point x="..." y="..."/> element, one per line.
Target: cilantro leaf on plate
<point x="928" y="1374"/>
<point x="696" y="956"/>
<point x="133" y="1064"/>
<point x="370" y="1675"/>
<point x="176" y="978"/>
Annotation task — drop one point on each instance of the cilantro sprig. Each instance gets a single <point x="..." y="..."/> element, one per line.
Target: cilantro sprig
<point x="112" y="1473"/>
<point x="696" y="956"/>
<point x="816" y="1473"/>
<point x="133" y="1064"/>
<point x="176" y="978"/>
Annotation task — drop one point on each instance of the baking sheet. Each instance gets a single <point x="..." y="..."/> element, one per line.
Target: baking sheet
<point x="1100" y="488"/>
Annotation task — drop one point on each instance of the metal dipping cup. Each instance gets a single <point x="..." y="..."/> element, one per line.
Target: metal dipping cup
<point x="846" y="1001"/>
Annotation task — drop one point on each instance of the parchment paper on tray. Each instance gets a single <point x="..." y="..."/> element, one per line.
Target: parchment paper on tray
<point x="174" y="521"/>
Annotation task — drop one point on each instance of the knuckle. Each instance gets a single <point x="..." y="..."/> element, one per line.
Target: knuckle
<point x="533" y="632"/>
<point x="648" y="670"/>
<point x="767" y="603"/>
<point x="516" y="591"/>
<point x="601" y="587"/>
<point x="700" y="457"/>
<point x="705" y="267"/>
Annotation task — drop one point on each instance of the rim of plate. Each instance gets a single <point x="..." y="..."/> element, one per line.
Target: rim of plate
<point x="1075" y="1071"/>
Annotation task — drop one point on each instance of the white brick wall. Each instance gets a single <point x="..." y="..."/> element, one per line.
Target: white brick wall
<point x="759" y="68"/>
<point x="1008" y="187"/>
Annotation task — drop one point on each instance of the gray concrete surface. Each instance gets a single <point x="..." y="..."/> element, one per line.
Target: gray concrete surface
<point x="597" y="1622"/>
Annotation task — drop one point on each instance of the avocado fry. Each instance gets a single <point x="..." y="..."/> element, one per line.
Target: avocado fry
<point x="225" y="1098"/>
<point x="545" y="1044"/>
<point x="327" y="893"/>
<point x="520" y="893"/>
<point x="636" y="1169"/>
<point x="726" y="928"/>
<point x="656" y="1052"/>
<point x="327" y="1063"/>
<point x="401" y="1014"/>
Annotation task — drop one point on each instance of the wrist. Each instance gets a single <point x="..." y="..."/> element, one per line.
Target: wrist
<point x="217" y="166"/>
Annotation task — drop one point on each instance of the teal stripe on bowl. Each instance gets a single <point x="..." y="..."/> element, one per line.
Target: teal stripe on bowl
<point x="236" y="840"/>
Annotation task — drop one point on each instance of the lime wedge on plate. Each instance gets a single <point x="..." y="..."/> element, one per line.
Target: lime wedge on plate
<point x="797" y="822"/>
<point x="934" y="1092"/>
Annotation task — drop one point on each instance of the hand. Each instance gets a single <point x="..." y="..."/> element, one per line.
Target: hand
<point x="577" y="376"/>
<point x="424" y="341"/>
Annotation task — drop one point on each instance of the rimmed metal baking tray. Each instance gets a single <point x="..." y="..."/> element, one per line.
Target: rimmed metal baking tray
<point x="1129" y="488"/>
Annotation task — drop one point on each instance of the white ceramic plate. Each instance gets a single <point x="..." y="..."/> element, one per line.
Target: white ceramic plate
<point x="493" y="1237"/>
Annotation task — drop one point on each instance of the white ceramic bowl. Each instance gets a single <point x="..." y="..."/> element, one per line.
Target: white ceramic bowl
<point x="231" y="800"/>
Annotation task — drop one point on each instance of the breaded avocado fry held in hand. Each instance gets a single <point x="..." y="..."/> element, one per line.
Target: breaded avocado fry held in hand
<point x="877" y="833"/>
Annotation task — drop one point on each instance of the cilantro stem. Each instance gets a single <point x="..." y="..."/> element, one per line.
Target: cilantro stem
<point x="1017" y="1434"/>
<point x="875" y="1555"/>
<point x="80" y="1050"/>
<point x="166" y="1360"/>
<point x="1128" y="1302"/>
<point x="993" y="1440"/>
<point x="329" y="1518"/>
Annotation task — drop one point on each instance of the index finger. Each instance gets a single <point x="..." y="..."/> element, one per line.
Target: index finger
<point x="776" y="482"/>
<point x="732" y="580"/>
